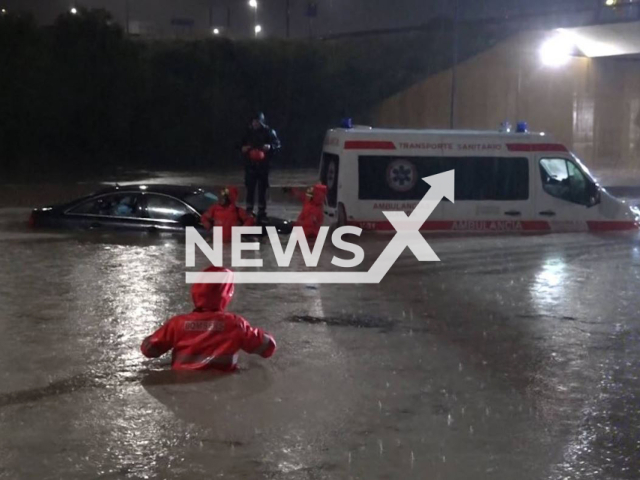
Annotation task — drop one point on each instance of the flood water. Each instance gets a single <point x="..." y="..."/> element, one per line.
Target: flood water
<point x="513" y="357"/>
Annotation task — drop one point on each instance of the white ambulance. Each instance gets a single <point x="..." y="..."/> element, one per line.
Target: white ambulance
<point x="504" y="182"/>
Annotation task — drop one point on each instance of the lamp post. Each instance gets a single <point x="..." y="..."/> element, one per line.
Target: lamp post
<point x="288" y="17"/>
<point x="454" y="67"/>
<point x="126" y="16"/>
<point x="254" y="4"/>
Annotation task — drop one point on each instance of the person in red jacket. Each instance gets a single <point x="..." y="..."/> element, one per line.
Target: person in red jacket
<point x="209" y="338"/>
<point x="226" y="214"/>
<point x="311" y="217"/>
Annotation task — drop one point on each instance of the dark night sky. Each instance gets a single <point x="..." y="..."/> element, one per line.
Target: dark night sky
<point x="334" y="16"/>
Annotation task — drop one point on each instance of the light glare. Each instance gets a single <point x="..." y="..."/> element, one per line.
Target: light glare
<point x="557" y="51"/>
<point x="258" y="29"/>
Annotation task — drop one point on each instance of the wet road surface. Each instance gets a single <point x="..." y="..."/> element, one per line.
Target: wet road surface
<point x="514" y="357"/>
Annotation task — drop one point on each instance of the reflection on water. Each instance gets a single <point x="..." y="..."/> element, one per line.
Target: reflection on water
<point x="128" y="283"/>
<point x="548" y="287"/>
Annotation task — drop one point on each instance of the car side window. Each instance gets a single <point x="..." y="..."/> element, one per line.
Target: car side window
<point x="563" y="179"/>
<point x="161" y="207"/>
<point x="115" y="205"/>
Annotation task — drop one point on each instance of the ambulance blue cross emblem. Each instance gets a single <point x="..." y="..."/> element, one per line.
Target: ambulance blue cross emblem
<point x="401" y="175"/>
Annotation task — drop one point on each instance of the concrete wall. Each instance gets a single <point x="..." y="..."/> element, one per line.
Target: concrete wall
<point x="592" y="105"/>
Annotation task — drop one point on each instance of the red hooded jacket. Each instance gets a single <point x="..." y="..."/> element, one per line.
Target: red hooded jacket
<point x="311" y="217"/>
<point x="227" y="216"/>
<point x="208" y="338"/>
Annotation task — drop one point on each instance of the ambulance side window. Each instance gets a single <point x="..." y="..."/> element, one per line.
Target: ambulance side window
<point x="489" y="178"/>
<point x="563" y="179"/>
<point x="476" y="178"/>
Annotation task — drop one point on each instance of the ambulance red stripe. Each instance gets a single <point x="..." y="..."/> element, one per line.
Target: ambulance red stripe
<point x="611" y="225"/>
<point x="497" y="226"/>
<point x="465" y="225"/>
<point x="536" y="147"/>
<point x="368" y="145"/>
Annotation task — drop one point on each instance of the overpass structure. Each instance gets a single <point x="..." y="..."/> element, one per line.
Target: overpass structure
<point x="580" y="84"/>
<point x="606" y="40"/>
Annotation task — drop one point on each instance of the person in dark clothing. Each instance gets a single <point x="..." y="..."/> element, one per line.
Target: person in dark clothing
<point x="259" y="145"/>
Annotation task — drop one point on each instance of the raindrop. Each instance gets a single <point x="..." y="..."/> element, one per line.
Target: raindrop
<point x="449" y="420"/>
<point x="380" y="405"/>
<point x="349" y="458"/>
<point x="380" y="446"/>
<point x="413" y="459"/>
<point x="470" y="429"/>
<point x="460" y="367"/>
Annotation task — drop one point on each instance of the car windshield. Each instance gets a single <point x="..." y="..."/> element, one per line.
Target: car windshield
<point x="201" y="200"/>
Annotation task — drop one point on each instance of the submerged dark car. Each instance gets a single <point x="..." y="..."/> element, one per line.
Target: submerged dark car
<point x="132" y="207"/>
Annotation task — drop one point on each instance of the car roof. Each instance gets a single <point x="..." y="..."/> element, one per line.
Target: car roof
<point x="179" y="191"/>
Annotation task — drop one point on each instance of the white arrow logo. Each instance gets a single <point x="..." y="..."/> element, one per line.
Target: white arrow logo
<point x="407" y="236"/>
<point x="408" y="227"/>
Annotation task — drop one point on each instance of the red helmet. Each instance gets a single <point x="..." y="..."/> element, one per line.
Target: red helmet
<point x="256" y="155"/>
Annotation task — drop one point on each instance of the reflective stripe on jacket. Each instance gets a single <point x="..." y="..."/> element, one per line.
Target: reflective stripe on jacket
<point x="207" y="340"/>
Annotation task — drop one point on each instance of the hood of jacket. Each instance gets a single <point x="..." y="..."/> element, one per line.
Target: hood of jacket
<point x="213" y="296"/>
<point x="233" y="195"/>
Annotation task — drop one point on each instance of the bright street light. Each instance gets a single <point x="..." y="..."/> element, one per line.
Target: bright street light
<point x="258" y="29"/>
<point x="557" y="51"/>
<point x="73" y="10"/>
<point x="610" y="3"/>
<point x="216" y="31"/>
<point x="253" y="3"/>
<point x="4" y="10"/>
